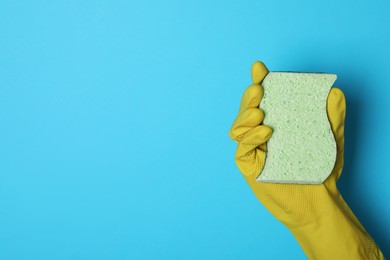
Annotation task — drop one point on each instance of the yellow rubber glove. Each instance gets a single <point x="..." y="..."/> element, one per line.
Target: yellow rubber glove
<point x="317" y="215"/>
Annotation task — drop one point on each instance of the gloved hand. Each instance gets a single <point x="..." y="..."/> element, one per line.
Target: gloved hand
<point x="317" y="215"/>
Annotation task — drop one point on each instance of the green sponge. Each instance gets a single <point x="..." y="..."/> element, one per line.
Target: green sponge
<point x="302" y="148"/>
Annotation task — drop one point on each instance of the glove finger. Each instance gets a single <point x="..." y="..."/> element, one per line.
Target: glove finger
<point x="258" y="72"/>
<point x="253" y="142"/>
<point x="256" y="136"/>
<point x="251" y="163"/>
<point x="336" y="109"/>
<point x="250" y="154"/>
<point x="244" y="122"/>
<point x="251" y="97"/>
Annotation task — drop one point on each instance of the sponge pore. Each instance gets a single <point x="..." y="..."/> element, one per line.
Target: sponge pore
<point x="302" y="148"/>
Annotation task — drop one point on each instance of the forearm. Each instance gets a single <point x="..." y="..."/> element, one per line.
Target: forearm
<point x="336" y="235"/>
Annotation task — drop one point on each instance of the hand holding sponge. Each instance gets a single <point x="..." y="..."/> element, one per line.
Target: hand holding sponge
<point x="316" y="214"/>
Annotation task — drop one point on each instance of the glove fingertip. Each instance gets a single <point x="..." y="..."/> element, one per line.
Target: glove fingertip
<point x="258" y="72"/>
<point x="267" y="132"/>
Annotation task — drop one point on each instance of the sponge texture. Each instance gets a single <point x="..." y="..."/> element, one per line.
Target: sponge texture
<point x="302" y="148"/>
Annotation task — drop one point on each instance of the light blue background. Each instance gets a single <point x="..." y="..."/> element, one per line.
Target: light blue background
<point x="114" y="118"/>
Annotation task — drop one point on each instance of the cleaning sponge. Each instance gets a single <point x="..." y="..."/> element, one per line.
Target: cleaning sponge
<point x="302" y="148"/>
